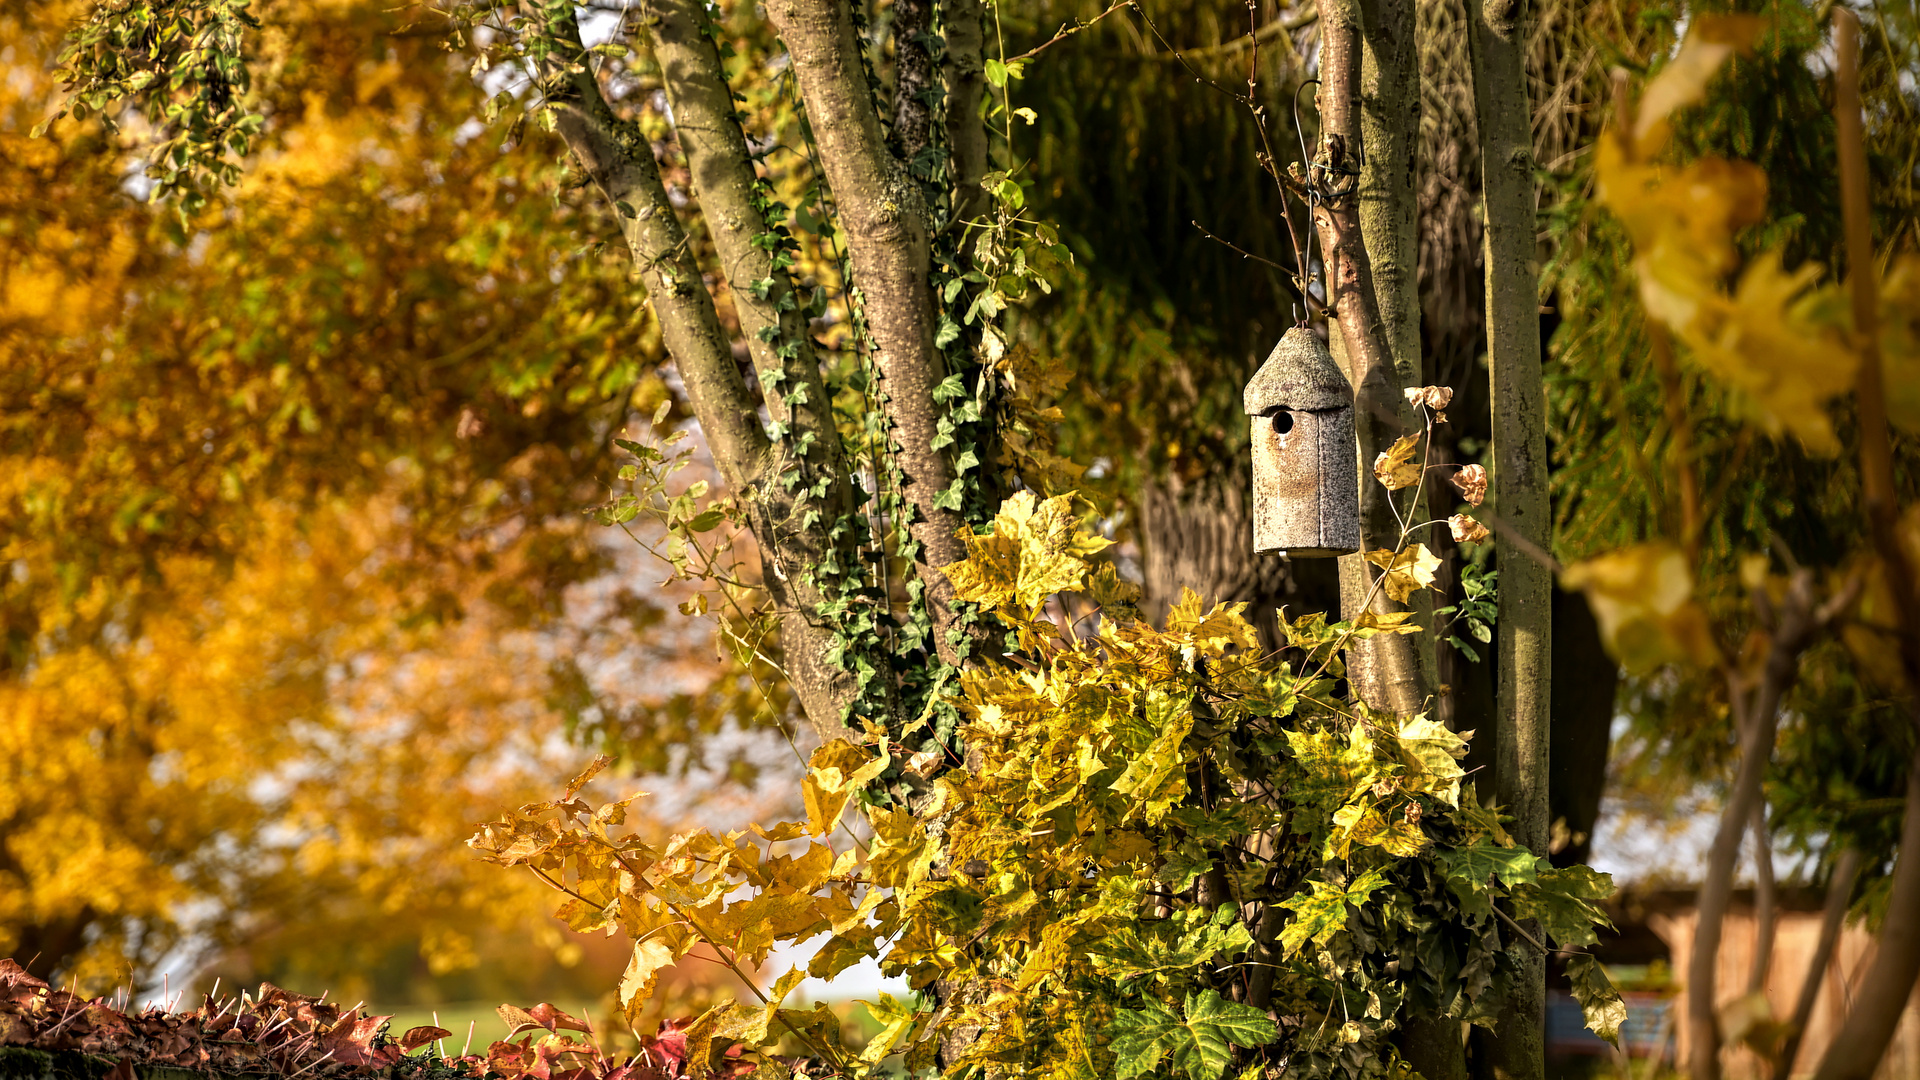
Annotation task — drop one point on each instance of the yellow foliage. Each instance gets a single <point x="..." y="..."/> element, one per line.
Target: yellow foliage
<point x="1642" y="597"/>
<point x="284" y="554"/>
<point x="1776" y="339"/>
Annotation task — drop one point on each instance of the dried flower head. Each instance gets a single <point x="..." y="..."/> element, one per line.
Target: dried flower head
<point x="1436" y="398"/>
<point x="1472" y="483"/>
<point x="1466" y="530"/>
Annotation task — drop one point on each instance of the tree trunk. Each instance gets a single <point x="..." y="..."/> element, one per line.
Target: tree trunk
<point x="619" y="161"/>
<point x="1389" y="127"/>
<point x="1846" y="871"/>
<point x="1756" y="711"/>
<point x="781" y="345"/>
<point x="1387" y="669"/>
<point x="1882" y="995"/>
<point x="963" y="25"/>
<point x="885" y="218"/>
<point x="1497" y="37"/>
<point x="1585" y="683"/>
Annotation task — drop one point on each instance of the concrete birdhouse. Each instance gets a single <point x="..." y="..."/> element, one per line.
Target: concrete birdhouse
<point x="1306" y="485"/>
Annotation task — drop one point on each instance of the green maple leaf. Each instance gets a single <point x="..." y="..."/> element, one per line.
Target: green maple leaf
<point x="1199" y="1045"/>
<point x="1323" y="912"/>
<point x="1565" y="903"/>
<point x="1333" y="766"/>
<point x="1599" y="1001"/>
<point x="1470" y="870"/>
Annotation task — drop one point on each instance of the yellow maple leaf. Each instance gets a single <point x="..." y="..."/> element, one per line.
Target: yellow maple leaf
<point x="1900" y="342"/>
<point x="1037" y="548"/>
<point x="1642" y="597"/>
<point x="1711" y="41"/>
<point x="1775" y="341"/>
<point x="1406" y="571"/>
<point x="1395" y="467"/>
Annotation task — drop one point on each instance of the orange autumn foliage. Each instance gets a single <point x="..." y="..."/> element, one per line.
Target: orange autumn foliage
<point x="292" y="555"/>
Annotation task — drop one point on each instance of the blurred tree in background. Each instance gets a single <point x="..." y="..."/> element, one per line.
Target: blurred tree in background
<point x="295" y="581"/>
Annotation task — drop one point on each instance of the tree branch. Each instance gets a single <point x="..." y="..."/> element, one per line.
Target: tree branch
<point x="1846" y="871"/>
<point x="1756" y="704"/>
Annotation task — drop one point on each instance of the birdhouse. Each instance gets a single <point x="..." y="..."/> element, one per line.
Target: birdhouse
<point x="1306" y="487"/>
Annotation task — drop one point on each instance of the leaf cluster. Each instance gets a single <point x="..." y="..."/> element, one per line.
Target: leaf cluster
<point x="1168" y="853"/>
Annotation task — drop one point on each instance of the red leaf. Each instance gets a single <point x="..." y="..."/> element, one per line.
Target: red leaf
<point x="415" y="1038"/>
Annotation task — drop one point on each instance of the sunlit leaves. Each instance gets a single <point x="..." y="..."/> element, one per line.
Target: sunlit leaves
<point x="1432" y="752"/>
<point x="1406" y="571"/>
<point x="1776" y="338"/>
<point x="1642" y="597"/>
<point x="1195" y="1044"/>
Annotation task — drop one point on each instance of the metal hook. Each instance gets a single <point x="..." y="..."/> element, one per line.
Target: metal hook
<point x="1299" y="132"/>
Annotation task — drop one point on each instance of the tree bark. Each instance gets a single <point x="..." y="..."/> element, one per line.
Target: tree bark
<point x="963" y="24"/>
<point x="912" y="77"/>
<point x="1497" y="40"/>
<point x="885" y="218"/>
<point x="617" y="158"/>
<point x="1387" y="670"/>
<point x="1195" y="536"/>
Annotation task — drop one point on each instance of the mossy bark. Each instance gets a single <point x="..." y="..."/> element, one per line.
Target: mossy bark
<point x="1524" y="645"/>
<point x="1386" y="671"/>
<point x="619" y="161"/>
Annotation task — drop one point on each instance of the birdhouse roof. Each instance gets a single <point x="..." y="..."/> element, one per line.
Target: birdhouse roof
<point x="1299" y="375"/>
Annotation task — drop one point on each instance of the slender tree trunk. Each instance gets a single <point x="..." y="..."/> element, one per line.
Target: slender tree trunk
<point x="1883" y="992"/>
<point x="1756" y="709"/>
<point x="793" y="525"/>
<point x="1846" y="871"/>
<point x="885" y="218"/>
<point x="1497" y="38"/>
<point x="1388" y="670"/>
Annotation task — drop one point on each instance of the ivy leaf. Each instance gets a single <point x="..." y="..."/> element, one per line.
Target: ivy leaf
<point x="1470" y="871"/>
<point x="1599" y="1001"/>
<point x="1323" y="912"/>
